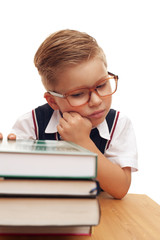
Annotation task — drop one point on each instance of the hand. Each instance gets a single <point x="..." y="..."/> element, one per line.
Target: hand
<point x="75" y="128"/>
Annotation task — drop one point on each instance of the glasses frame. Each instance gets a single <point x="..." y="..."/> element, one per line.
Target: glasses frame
<point x="93" y="89"/>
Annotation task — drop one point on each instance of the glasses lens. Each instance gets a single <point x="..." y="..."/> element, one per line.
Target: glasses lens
<point x="81" y="96"/>
<point x="78" y="97"/>
<point x="106" y="87"/>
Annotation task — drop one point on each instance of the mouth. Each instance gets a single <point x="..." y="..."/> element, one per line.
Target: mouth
<point x="97" y="114"/>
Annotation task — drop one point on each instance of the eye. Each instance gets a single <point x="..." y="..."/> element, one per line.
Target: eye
<point x="102" y="85"/>
<point x="77" y="95"/>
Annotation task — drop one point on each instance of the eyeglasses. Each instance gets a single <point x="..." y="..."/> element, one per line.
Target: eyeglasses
<point x="81" y="96"/>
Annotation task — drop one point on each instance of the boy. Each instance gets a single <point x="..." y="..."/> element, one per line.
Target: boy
<point x="79" y="92"/>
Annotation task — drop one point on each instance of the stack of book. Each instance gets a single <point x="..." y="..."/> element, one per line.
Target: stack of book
<point x="47" y="187"/>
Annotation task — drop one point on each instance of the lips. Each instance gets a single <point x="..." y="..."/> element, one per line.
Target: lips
<point x="97" y="114"/>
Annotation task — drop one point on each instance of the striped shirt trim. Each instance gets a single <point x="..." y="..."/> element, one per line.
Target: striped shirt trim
<point x="35" y="123"/>
<point x="113" y="129"/>
<point x="36" y="127"/>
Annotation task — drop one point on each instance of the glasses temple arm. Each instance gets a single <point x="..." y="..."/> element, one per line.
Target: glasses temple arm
<point x="56" y="94"/>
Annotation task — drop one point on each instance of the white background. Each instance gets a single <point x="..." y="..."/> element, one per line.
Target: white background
<point x="129" y="33"/>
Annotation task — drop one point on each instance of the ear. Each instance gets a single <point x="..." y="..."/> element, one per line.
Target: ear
<point x="51" y="101"/>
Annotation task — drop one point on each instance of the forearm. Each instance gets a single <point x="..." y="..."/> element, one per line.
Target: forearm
<point x="112" y="178"/>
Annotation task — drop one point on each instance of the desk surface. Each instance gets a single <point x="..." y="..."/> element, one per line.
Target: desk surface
<point x="134" y="217"/>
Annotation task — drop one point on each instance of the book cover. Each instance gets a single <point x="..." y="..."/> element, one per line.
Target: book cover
<point x="46" y="230"/>
<point x="46" y="159"/>
<point x="48" y="188"/>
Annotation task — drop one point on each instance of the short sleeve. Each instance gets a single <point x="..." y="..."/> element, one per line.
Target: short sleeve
<point x="123" y="148"/>
<point x="24" y="127"/>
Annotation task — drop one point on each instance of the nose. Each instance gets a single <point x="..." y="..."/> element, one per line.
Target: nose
<point x="95" y="100"/>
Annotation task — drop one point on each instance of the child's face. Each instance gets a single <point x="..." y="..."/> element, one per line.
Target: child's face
<point x="86" y="75"/>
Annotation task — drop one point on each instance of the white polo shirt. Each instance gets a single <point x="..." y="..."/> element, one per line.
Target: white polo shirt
<point x="122" y="149"/>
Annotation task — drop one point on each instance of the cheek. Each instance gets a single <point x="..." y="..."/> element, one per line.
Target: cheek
<point x="108" y="102"/>
<point x="64" y="106"/>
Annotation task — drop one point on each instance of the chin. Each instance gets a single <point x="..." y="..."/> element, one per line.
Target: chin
<point x="96" y="123"/>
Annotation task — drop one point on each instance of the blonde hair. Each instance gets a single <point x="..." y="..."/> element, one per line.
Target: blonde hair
<point x="63" y="49"/>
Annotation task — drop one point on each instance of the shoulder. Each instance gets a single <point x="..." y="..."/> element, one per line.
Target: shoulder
<point x="124" y="123"/>
<point x="123" y="132"/>
<point x="43" y="108"/>
<point x="118" y="121"/>
<point x="123" y="148"/>
<point x="27" y="118"/>
<point x="23" y="127"/>
<point x="26" y="125"/>
<point x="123" y="128"/>
<point x="123" y="119"/>
<point x="124" y="135"/>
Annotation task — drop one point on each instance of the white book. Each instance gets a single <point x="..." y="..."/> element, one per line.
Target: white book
<point x="45" y="215"/>
<point x="46" y="159"/>
<point x="48" y="188"/>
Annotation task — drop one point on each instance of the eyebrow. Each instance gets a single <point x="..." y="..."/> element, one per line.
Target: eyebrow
<point x="84" y="86"/>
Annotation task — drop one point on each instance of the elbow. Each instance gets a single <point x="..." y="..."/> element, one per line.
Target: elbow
<point x="119" y="196"/>
<point x="123" y="188"/>
<point x="121" y="193"/>
<point x="119" y="187"/>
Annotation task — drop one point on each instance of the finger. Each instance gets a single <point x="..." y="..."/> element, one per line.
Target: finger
<point x="11" y="136"/>
<point x="1" y="136"/>
<point x="66" y="116"/>
<point x="63" y="122"/>
<point x="75" y="114"/>
<point x="60" y="131"/>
